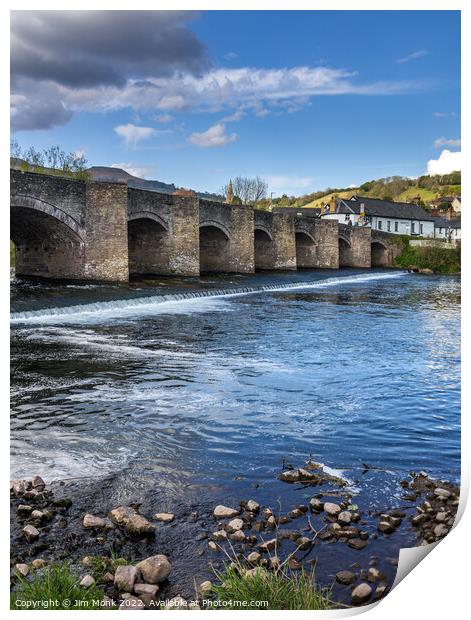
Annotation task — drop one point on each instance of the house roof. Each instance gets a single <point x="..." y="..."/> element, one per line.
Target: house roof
<point x="384" y="208"/>
<point x="441" y="222"/>
<point x="310" y="212"/>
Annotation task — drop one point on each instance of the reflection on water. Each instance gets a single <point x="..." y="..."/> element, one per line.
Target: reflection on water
<point x="202" y="390"/>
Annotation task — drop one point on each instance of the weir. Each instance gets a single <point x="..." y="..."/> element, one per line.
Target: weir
<point x="92" y="231"/>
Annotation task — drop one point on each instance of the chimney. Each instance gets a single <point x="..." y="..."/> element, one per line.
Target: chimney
<point x="333" y="204"/>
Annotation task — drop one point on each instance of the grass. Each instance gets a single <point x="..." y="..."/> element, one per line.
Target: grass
<point x="317" y="204"/>
<point x="58" y="584"/>
<point x="278" y="588"/>
<point x="439" y="260"/>
<point x="100" y="565"/>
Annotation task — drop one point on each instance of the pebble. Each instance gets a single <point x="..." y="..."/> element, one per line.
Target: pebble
<point x="91" y="521"/>
<point x="165" y="517"/>
<point x="254" y="557"/>
<point x="22" y="569"/>
<point x="237" y="536"/>
<point x="220" y="535"/>
<point x="38" y="563"/>
<point x="146" y="592"/>
<point x="374" y="574"/>
<point x="30" y="533"/>
<point x="346" y="577"/>
<point x="234" y="525"/>
<point x="332" y="509"/>
<point x="439" y="492"/>
<point x="124" y="578"/>
<point x="268" y="545"/>
<point x="212" y="545"/>
<point x="271" y="522"/>
<point x="205" y="587"/>
<point x="357" y="543"/>
<point x="155" y="569"/>
<point x="223" y="512"/>
<point x="361" y="594"/>
<point x="132" y="521"/>
<point x="345" y="517"/>
<point x="440" y="530"/>
<point x="252" y="506"/>
<point x="24" y="509"/>
<point x="316" y="504"/>
<point x="303" y="543"/>
<point x="380" y="590"/>
<point x="87" y="581"/>
<point x="386" y="527"/>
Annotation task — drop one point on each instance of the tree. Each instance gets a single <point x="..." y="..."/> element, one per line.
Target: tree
<point x="230" y="192"/>
<point x="53" y="158"/>
<point x="249" y="190"/>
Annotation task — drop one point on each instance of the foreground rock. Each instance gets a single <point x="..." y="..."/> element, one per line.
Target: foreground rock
<point x="132" y="521"/>
<point x="361" y="593"/>
<point x="223" y="512"/>
<point x="155" y="569"/>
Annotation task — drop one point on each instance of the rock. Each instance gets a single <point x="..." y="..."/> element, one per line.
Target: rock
<point x="252" y="506"/>
<point x="254" y="572"/>
<point x="294" y="564"/>
<point x="271" y="522"/>
<point x="345" y="517"/>
<point x="316" y="505"/>
<point x="124" y="578"/>
<point x="237" y="536"/>
<point x="146" y="592"/>
<point x="254" y="557"/>
<point x="357" y="543"/>
<point x="37" y="515"/>
<point x="234" y="525"/>
<point x="205" y="587"/>
<point x="374" y="574"/>
<point x="107" y="578"/>
<point x="38" y="483"/>
<point x="346" y="577"/>
<point x="440" y="530"/>
<point x="380" y="590"/>
<point x="155" y="569"/>
<point x="18" y="487"/>
<point x="386" y="527"/>
<point x="274" y="562"/>
<point x="178" y="602"/>
<point x="131" y="521"/>
<point x="441" y="517"/>
<point x="332" y="509"/>
<point x="418" y="519"/>
<point x="91" y="521"/>
<point x="223" y="512"/>
<point x="426" y="271"/>
<point x="38" y="563"/>
<point x="303" y="543"/>
<point x="131" y="602"/>
<point x="220" y="535"/>
<point x="24" y="509"/>
<point x="295" y="513"/>
<point x="165" y="517"/>
<point x="212" y="545"/>
<point x="21" y="569"/>
<point x="361" y="594"/>
<point x="443" y="493"/>
<point x="30" y="533"/>
<point x="268" y="545"/>
<point x="87" y="581"/>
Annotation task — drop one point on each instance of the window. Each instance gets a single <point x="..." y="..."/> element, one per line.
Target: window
<point x="440" y="231"/>
<point x="421" y="229"/>
<point x="347" y="216"/>
<point x="396" y="226"/>
<point x="380" y="225"/>
<point x="389" y="226"/>
<point x="412" y="228"/>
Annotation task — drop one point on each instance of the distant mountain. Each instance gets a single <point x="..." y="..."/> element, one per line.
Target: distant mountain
<point x="106" y="173"/>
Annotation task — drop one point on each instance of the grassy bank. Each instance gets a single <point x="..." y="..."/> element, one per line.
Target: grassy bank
<point x="437" y="259"/>
<point x="271" y="590"/>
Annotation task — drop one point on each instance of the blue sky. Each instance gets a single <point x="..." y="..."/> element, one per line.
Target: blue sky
<point x="306" y="100"/>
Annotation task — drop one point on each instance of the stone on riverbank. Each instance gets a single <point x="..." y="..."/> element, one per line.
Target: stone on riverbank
<point x="87" y="581"/>
<point x="252" y="506"/>
<point x="91" y="521"/>
<point x="132" y="521"/>
<point x="164" y="517"/>
<point x="223" y="512"/>
<point x="38" y="563"/>
<point x="30" y="533"/>
<point x="345" y="517"/>
<point x="361" y="594"/>
<point x="21" y="569"/>
<point x="332" y="509"/>
<point x="234" y="525"/>
<point x="345" y="577"/>
<point x="124" y="578"/>
<point x="154" y="569"/>
<point x="146" y="592"/>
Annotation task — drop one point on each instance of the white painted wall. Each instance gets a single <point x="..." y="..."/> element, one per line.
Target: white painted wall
<point x="392" y="225"/>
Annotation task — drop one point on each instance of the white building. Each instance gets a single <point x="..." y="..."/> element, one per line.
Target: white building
<point x="400" y="218"/>
<point x="447" y="229"/>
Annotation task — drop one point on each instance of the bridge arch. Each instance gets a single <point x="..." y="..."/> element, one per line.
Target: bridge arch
<point x="305" y="249"/>
<point x="214" y="242"/>
<point x="148" y="241"/>
<point x="379" y="254"/>
<point x="48" y="242"/>
<point x="345" y="252"/>
<point x="264" y="248"/>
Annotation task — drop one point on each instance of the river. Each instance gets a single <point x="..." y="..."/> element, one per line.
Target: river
<point x="205" y="387"/>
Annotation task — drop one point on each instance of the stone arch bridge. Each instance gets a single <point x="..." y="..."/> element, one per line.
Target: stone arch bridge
<point x="68" y="229"/>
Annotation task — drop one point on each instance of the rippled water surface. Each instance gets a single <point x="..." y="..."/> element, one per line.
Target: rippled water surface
<point x="204" y="388"/>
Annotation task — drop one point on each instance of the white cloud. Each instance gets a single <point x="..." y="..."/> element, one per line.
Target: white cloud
<point x="352" y="186"/>
<point x="80" y="152"/>
<point x="285" y="184"/>
<point x="214" y="136"/>
<point x="230" y="56"/>
<point x="142" y="171"/>
<point x="163" y="118"/>
<point x="443" y="114"/>
<point x="132" y="134"/>
<point x="449" y="161"/>
<point x="439" y="142"/>
<point x="236" y="116"/>
<point x="413" y="56"/>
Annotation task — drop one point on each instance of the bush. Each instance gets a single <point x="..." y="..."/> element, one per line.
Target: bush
<point x="55" y="583"/>
<point x="439" y="260"/>
<point x="280" y="589"/>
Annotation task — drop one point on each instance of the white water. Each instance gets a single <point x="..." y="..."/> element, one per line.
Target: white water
<point x="195" y="301"/>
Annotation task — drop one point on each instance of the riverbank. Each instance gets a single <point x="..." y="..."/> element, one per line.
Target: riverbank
<point x="431" y="259"/>
<point x="146" y="559"/>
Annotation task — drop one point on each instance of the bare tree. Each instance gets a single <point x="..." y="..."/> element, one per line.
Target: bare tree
<point x="248" y="190"/>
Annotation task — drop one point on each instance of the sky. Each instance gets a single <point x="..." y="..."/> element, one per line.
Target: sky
<point x="304" y="99"/>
